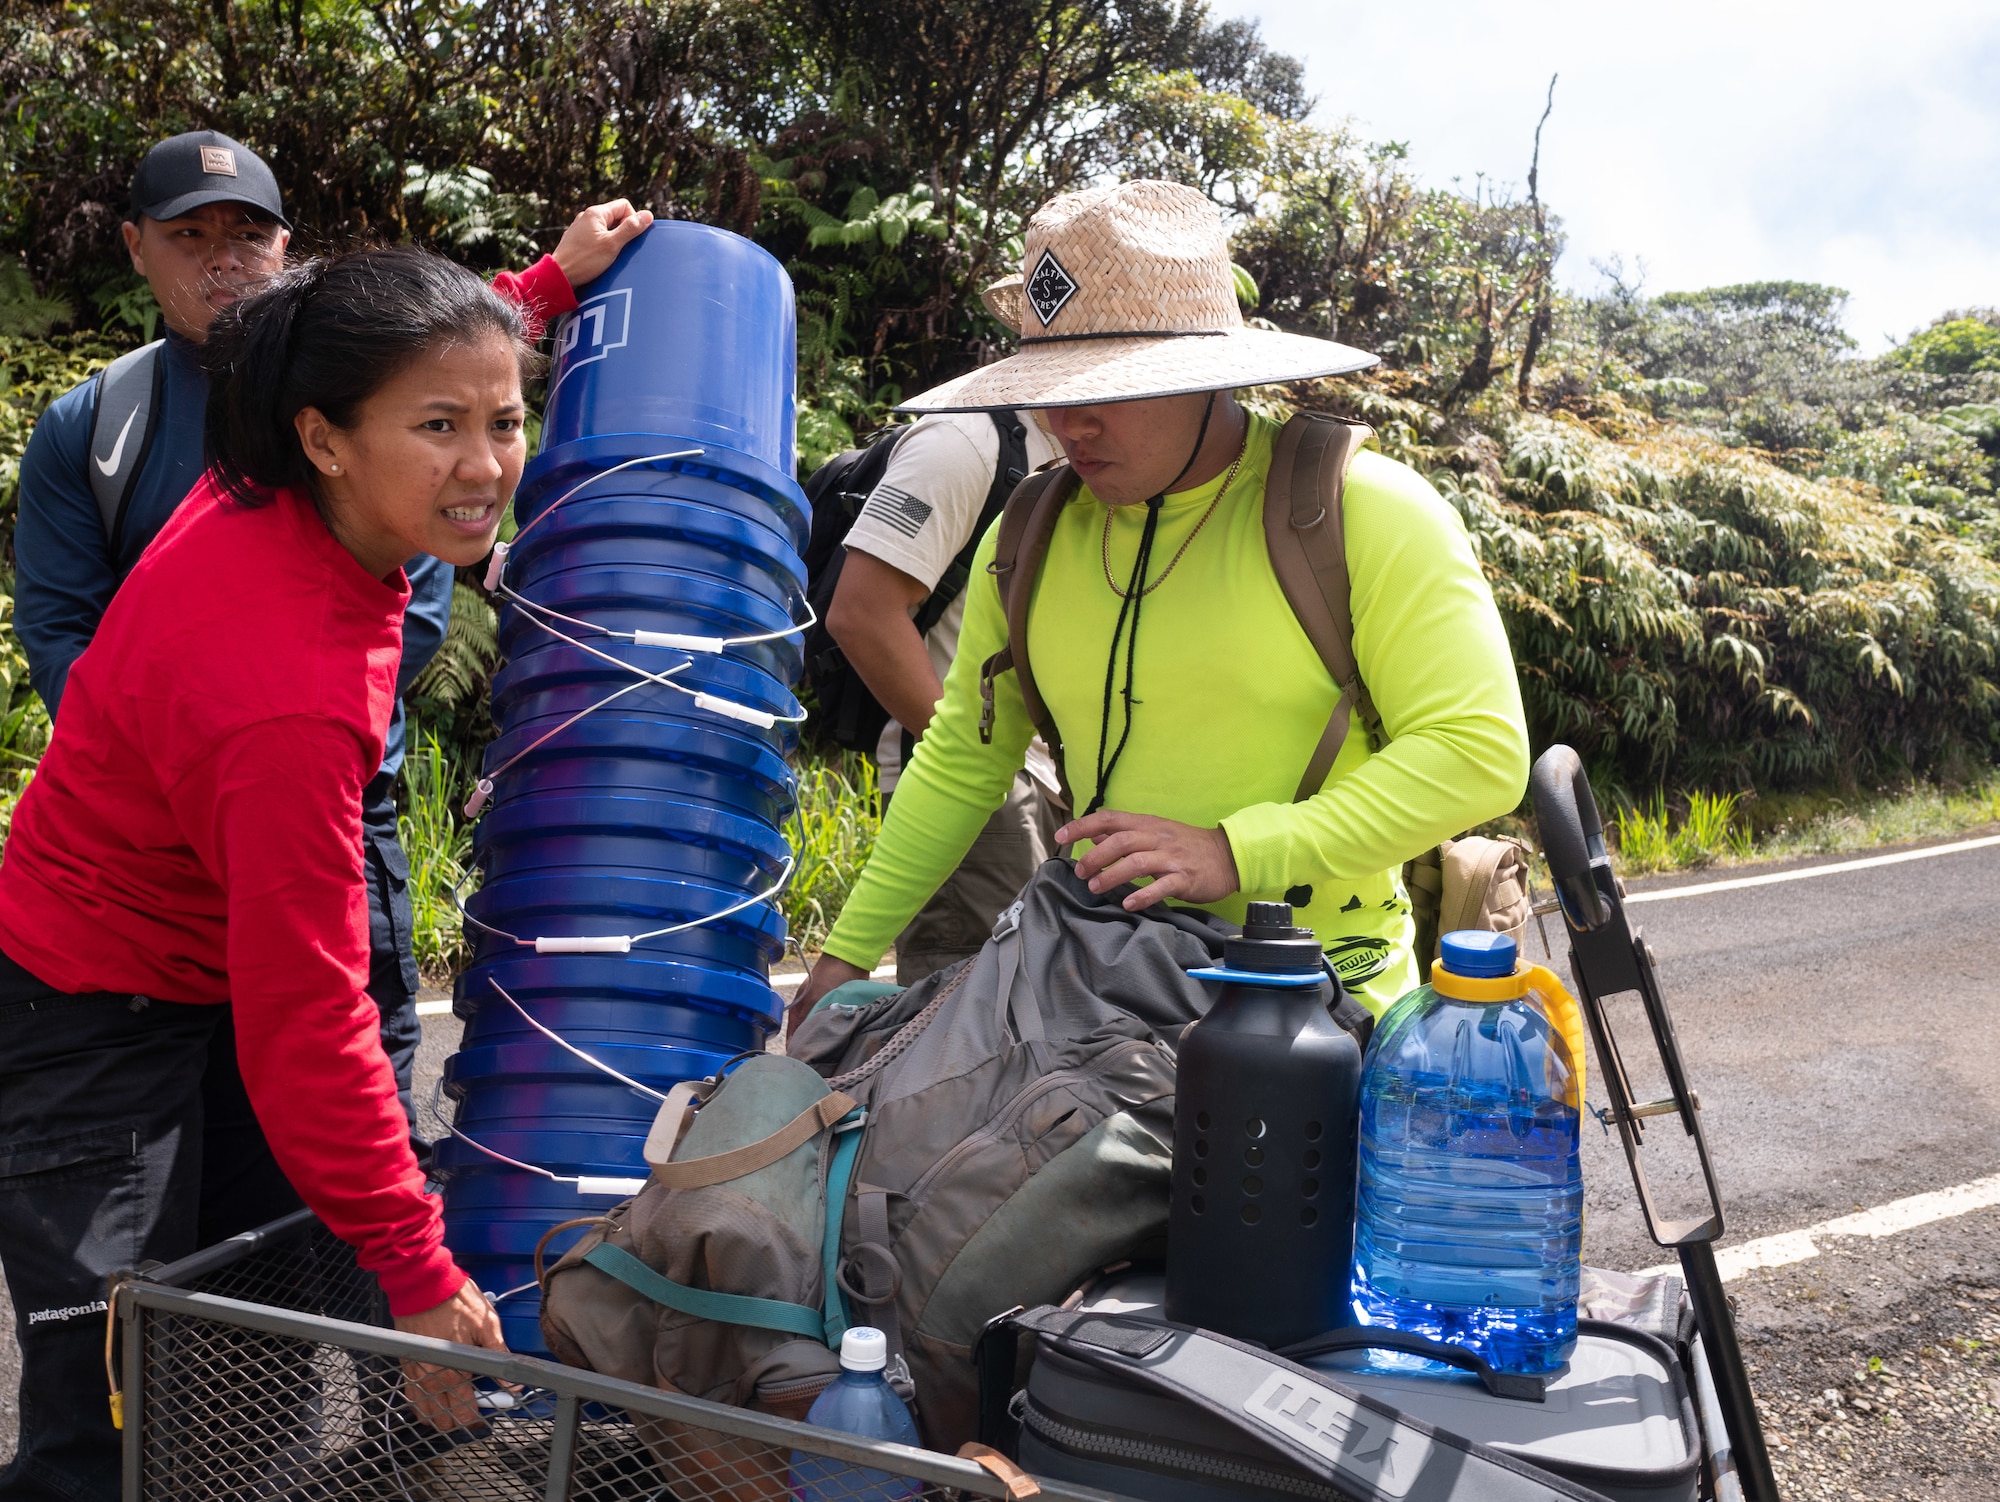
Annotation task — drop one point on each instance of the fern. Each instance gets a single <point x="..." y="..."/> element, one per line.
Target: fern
<point x="458" y="676"/>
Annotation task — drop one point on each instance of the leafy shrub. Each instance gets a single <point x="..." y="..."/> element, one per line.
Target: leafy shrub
<point x="24" y="724"/>
<point x="831" y="833"/>
<point x="1681" y="607"/>
<point x="439" y="849"/>
<point x="1710" y="830"/>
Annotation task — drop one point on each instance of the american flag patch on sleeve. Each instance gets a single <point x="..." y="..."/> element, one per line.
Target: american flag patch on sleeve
<point x="898" y="509"/>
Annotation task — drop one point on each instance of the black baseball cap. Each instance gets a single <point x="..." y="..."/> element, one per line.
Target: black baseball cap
<point x="203" y="166"/>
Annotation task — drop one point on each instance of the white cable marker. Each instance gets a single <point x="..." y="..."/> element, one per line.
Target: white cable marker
<point x="1892" y="1219"/>
<point x="682" y="643"/>
<point x="724" y="707"/>
<point x="1772" y="878"/>
<point x="585" y="1184"/>
<point x="621" y="943"/>
<point x="589" y="1184"/>
<point x="617" y="944"/>
<point x="762" y="719"/>
<point x="675" y="640"/>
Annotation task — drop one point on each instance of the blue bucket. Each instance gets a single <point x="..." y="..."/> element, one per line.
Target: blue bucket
<point x="653" y="811"/>
<point x="690" y="333"/>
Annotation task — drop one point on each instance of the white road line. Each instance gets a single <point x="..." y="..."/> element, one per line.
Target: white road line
<point x="1774" y="877"/>
<point x="1884" y="1220"/>
<point x="793" y="977"/>
<point x="433" y="1008"/>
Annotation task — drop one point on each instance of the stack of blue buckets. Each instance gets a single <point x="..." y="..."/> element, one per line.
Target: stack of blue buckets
<point x="650" y="811"/>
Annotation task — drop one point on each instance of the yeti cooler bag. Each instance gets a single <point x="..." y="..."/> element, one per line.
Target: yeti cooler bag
<point x="1119" y="1398"/>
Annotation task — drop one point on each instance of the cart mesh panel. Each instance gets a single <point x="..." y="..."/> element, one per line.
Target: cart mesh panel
<point x="232" y="1412"/>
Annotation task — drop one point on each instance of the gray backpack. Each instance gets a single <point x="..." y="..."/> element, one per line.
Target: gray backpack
<point x="125" y="414"/>
<point x="988" y="1138"/>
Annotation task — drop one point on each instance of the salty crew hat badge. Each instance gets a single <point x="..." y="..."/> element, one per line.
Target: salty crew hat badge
<point x="1126" y="292"/>
<point x="203" y="166"/>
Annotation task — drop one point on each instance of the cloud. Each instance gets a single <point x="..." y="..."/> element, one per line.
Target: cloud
<point x="1715" y="142"/>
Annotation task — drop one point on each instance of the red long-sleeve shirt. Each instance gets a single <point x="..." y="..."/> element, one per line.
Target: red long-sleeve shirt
<point x="194" y="834"/>
<point x="542" y="292"/>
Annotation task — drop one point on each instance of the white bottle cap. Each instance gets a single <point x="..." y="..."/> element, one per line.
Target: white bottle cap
<point x="864" y="1349"/>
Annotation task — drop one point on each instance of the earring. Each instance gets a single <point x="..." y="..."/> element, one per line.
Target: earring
<point x="333" y="469"/>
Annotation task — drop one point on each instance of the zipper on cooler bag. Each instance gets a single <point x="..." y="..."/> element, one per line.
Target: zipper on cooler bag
<point x="1156" y="1455"/>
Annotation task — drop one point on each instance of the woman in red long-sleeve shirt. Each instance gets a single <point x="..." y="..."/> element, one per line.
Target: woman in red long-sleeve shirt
<point x="185" y="862"/>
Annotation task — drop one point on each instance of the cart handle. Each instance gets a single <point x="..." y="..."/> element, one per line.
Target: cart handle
<point x="1572" y="835"/>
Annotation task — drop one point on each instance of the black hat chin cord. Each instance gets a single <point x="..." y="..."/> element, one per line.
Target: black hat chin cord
<point x="1134" y="597"/>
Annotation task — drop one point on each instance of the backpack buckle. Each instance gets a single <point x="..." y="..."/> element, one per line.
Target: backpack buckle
<point x="986" y="702"/>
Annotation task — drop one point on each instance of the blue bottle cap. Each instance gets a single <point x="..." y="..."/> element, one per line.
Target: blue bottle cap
<point x="1473" y="952"/>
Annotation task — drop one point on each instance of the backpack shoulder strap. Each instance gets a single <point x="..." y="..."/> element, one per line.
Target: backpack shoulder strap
<point x="121" y="433"/>
<point x="1010" y="467"/>
<point x="1025" y="528"/>
<point x="1304" y="529"/>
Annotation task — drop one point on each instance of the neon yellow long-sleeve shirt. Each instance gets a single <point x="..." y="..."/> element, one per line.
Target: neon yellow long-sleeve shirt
<point x="1232" y="699"/>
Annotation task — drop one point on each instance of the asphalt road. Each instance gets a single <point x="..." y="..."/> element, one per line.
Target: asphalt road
<point x="1843" y="1034"/>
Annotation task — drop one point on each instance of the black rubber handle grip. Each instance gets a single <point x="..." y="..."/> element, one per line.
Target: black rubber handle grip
<point x="1572" y="834"/>
<point x="1375" y="1338"/>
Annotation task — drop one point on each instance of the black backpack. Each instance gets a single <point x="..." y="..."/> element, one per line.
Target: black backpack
<point x="848" y="714"/>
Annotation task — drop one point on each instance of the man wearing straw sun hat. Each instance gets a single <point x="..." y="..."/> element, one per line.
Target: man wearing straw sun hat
<point x="1170" y="660"/>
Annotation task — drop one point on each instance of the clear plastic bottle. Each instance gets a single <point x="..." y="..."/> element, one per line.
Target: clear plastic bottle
<point x="1469" y="1213"/>
<point x="862" y="1402"/>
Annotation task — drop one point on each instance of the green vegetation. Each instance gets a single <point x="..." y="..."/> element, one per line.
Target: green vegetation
<point x="1744" y="569"/>
<point x="439" y="846"/>
<point x="831" y="834"/>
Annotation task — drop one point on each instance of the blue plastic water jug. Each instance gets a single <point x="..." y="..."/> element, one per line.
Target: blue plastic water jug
<point x="860" y="1401"/>
<point x="1469" y="1214"/>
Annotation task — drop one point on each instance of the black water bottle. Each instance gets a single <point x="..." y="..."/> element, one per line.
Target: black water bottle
<point x="1269" y="1088"/>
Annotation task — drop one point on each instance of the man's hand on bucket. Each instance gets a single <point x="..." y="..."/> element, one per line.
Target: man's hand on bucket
<point x="828" y="971"/>
<point x="595" y="236"/>
<point x="1195" y="865"/>
<point x="443" y="1398"/>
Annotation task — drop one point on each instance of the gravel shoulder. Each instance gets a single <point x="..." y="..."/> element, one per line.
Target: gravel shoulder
<point x="1877" y="1364"/>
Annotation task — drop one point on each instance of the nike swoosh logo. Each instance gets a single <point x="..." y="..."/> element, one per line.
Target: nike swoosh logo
<point x="109" y="463"/>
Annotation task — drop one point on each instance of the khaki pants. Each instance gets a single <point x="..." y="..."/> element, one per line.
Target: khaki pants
<point x="959" y="919"/>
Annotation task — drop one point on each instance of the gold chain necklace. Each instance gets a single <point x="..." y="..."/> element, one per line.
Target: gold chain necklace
<point x="1111" y="511"/>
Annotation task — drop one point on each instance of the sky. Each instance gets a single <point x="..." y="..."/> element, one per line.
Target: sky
<point x="1708" y="142"/>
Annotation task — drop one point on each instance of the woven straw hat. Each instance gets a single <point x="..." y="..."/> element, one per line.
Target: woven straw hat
<point x="1126" y="292"/>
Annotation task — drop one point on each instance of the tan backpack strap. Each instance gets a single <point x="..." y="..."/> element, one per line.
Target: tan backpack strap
<point x="699" y="1173"/>
<point x="1020" y="1485"/>
<point x="1468" y="881"/>
<point x="1305" y="533"/>
<point x="1025" y="528"/>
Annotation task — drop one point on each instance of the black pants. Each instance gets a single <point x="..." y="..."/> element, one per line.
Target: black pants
<point x="126" y="1136"/>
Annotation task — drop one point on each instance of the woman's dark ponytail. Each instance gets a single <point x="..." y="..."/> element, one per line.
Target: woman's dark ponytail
<point x="328" y="333"/>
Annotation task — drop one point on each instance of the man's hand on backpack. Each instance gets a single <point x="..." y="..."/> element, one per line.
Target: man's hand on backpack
<point x="1195" y="865"/>
<point x="827" y="972"/>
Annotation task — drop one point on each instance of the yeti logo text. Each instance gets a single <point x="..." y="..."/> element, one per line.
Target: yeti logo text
<point x="1369" y="1446"/>
<point x="594" y="330"/>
